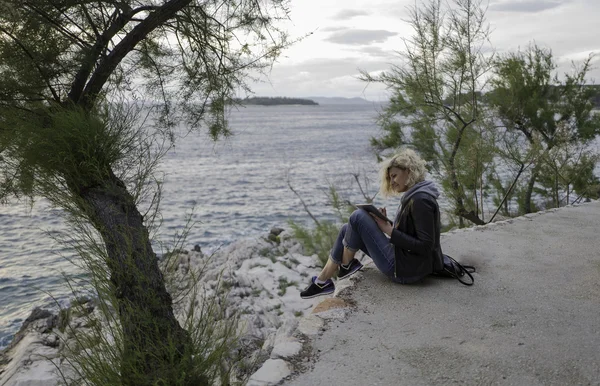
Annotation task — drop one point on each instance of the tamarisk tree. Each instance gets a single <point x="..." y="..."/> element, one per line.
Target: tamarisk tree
<point x="553" y="118"/>
<point x="66" y="69"/>
<point x="435" y="103"/>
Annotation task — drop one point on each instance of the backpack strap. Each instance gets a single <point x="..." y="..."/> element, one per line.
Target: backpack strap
<point x="460" y="270"/>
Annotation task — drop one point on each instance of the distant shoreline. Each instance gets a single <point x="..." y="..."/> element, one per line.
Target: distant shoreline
<point x="304" y="101"/>
<point x="276" y="101"/>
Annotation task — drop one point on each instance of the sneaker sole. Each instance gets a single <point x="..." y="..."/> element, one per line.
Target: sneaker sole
<point x="314" y="296"/>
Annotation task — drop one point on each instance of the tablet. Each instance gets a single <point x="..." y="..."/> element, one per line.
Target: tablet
<point x="372" y="209"/>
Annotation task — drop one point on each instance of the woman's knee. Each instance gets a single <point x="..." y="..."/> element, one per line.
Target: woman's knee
<point x="357" y="217"/>
<point x="343" y="228"/>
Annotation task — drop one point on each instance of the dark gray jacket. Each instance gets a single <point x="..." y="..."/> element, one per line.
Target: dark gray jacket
<point x="416" y="236"/>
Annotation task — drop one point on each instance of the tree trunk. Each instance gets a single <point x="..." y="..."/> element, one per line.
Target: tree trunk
<point x="153" y="340"/>
<point x="529" y="193"/>
<point x="460" y="206"/>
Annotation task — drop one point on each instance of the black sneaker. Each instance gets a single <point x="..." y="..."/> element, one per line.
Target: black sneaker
<point x="350" y="269"/>
<point x="315" y="289"/>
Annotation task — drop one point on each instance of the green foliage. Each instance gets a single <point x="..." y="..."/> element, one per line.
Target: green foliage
<point x="487" y="126"/>
<point x="320" y="239"/>
<point x="436" y="102"/>
<point x="393" y="135"/>
<point x="554" y="120"/>
<point x="69" y="73"/>
<point x="69" y="145"/>
<point x="567" y="174"/>
<point x="51" y="76"/>
<point x="342" y="208"/>
<point x="530" y="98"/>
<point x="95" y="353"/>
<point x="283" y="284"/>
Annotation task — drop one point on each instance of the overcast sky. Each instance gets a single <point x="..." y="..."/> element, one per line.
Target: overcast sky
<point x="351" y="35"/>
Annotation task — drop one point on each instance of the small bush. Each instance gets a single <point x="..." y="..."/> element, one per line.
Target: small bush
<point x="318" y="240"/>
<point x="283" y="284"/>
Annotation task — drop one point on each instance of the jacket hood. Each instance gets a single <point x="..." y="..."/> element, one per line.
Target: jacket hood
<point x="420" y="187"/>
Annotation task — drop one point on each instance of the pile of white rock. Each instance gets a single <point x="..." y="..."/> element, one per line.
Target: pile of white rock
<point x="261" y="280"/>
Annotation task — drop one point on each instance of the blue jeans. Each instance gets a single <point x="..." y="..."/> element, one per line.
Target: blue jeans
<point x="362" y="233"/>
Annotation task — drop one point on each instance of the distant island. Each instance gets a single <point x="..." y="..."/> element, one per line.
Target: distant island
<point x="275" y="101"/>
<point x="340" y="101"/>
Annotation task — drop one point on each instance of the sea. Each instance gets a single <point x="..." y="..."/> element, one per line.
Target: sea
<point x="233" y="189"/>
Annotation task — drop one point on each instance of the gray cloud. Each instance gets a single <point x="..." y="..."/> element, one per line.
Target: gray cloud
<point x="528" y="6"/>
<point x="360" y="36"/>
<point x="347" y="14"/>
<point x="332" y="29"/>
<point x="378" y="52"/>
<point x="325" y="68"/>
<point x="322" y="77"/>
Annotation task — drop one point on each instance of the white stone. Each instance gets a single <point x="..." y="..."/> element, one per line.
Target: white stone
<point x="286" y="350"/>
<point x="28" y="367"/>
<point x="258" y="282"/>
<point x="285" y="332"/>
<point x="272" y="372"/>
<point x="310" y="325"/>
<point x="269" y="342"/>
<point x="334" y="313"/>
<point x="341" y="285"/>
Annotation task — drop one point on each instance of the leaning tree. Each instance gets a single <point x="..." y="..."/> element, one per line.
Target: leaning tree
<point x="67" y="69"/>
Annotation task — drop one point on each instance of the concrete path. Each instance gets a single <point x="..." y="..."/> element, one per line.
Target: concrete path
<point x="532" y="317"/>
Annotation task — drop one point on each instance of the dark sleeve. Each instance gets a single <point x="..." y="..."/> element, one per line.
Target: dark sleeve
<point x="423" y="214"/>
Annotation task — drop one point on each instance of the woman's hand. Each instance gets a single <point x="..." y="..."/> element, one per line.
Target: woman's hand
<point x="383" y="210"/>
<point x="383" y="225"/>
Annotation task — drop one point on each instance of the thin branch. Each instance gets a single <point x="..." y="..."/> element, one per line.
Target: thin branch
<point x="57" y="25"/>
<point x="364" y="194"/>
<point x="35" y="63"/>
<point x="303" y="203"/>
<point x="99" y="47"/>
<point x="144" y="8"/>
<point x="508" y="192"/>
<point x="106" y="67"/>
<point x="89" y="19"/>
<point x="67" y="17"/>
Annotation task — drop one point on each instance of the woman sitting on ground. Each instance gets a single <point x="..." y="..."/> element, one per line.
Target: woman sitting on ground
<point x="406" y="251"/>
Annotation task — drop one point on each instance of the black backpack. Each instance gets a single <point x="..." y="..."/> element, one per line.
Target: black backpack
<point x="453" y="268"/>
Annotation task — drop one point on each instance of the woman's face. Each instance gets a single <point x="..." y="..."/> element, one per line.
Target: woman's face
<point x="398" y="179"/>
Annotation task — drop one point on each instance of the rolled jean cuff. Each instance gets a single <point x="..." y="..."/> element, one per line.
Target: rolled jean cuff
<point x="348" y="247"/>
<point x="339" y="261"/>
<point x="335" y="260"/>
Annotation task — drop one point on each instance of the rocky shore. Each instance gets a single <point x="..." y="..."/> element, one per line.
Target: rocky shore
<point x="262" y="279"/>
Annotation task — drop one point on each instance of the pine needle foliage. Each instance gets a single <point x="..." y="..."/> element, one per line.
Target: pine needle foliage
<point x="553" y="121"/>
<point x="95" y="349"/>
<point x="435" y="105"/>
<point x="320" y="238"/>
<point x="497" y="131"/>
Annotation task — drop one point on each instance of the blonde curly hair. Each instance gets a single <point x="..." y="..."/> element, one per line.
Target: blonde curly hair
<point x="406" y="159"/>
